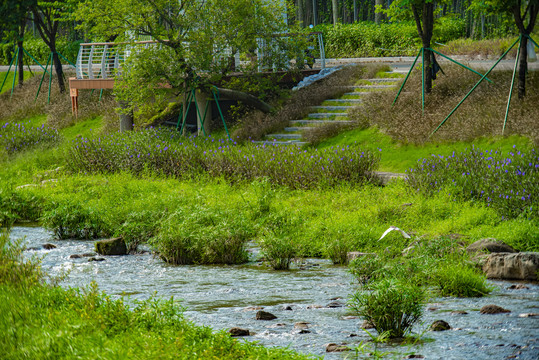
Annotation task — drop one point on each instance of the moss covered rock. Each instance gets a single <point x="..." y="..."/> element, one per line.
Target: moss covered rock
<point x="114" y="246"/>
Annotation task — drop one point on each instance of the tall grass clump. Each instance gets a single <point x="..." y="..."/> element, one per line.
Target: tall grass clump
<point x="165" y="152"/>
<point x="203" y="235"/>
<point x="508" y="183"/>
<point x="16" y="137"/>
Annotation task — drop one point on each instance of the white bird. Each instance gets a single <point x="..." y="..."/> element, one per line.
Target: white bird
<point x="391" y="228"/>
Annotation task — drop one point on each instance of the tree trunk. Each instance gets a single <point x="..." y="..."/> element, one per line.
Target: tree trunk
<point x="335" y="12"/>
<point x="425" y="26"/>
<point x="58" y="68"/>
<point x="248" y="99"/>
<point x="378" y="15"/>
<point x="523" y="68"/>
<point x="20" y="64"/>
<point x="308" y="13"/>
<point x="299" y="12"/>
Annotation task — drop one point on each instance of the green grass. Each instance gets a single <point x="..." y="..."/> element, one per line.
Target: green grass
<point x="87" y="129"/>
<point x="397" y="157"/>
<point x="9" y="80"/>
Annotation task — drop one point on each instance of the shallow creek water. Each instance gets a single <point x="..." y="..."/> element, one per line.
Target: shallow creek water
<point x="227" y="296"/>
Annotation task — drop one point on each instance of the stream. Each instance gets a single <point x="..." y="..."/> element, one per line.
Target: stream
<point x="223" y="297"/>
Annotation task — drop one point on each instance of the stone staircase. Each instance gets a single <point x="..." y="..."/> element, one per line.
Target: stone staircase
<point x="332" y="110"/>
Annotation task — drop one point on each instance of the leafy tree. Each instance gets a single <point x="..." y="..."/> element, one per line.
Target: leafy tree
<point x="191" y="36"/>
<point x="14" y="14"/>
<point x="48" y="15"/>
<point x="525" y="15"/>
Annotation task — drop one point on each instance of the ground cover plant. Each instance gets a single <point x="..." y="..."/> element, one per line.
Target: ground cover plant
<point x="509" y="183"/>
<point x="165" y="152"/>
<point x="40" y="320"/>
<point x="17" y="137"/>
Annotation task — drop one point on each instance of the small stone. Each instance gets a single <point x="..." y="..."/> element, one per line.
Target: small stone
<point x="75" y="256"/>
<point x="518" y="287"/>
<point x="459" y="312"/>
<point x="264" y="315"/>
<point x="48" y="246"/>
<point x="493" y="309"/>
<point x="253" y="308"/>
<point x="414" y="356"/>
<point x="440" y="325"/>
<point x="288" y="308"/>
<point x="433" y="308"/>
<point x="367" y="325"/>
<point x="335" y="304"/>
<point x="32" y="249"/>
<point x="304" y="331"/>
<point x="528" y="315"/>
<point x="236" y="331"/>
<point x="352" y="335"/>
<point x="301" y="325"/>
<point x="350" y="317"/>
<point x="332" y="347"/>
<point x="315" y="306"/>
<point x="95" y="259"/>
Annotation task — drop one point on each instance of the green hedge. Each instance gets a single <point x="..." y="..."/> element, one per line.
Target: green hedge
<point x="367" y="39"/>
<point x="39" y="50"/>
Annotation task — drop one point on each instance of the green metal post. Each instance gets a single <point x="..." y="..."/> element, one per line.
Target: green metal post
<point x="198" y="110"/>
<point x="456" y="62"/>
<point x="14" y="74"/>
<point x="5" y="77"/>
<point x="188" y="102"/>
<point x="180" y="117"/>
<point x="43" y="77"/>
<point x="63" y="57"/>
<point x="423" y="80"/>
<point x="512" y="84"/>
<point x="50" y="80"/>
<point x="33" y="58"/>
<point x="406" y="78"/>
<point x="476" y="85"/>
<point x="100" y="94"/>
<point x="216" y="97"/>
<point x="533" y="41"/>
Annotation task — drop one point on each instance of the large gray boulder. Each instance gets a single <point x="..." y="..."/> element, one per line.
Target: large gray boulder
<point x="489" y="245"/>
<point x="512" y="266"/>
<point x="114" y="246"/>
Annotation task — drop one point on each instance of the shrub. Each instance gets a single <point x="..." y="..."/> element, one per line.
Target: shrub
<point x="165" y="152"/>
<point x="457" y="279"/>
<point x="139" y="227"/>
<point x="278" y="249"/>
<point x="71" y="220"/>
<point x="16" y="137"/>
<point x="18" y="205"/>
<point x="367" y="269"/>
<point x="391" y="307"/>
<point x="509" y="184"/>
<point x="203" y="236"/>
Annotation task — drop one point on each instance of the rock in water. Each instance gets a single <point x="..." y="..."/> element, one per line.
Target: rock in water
<point x="336" y="348"/>
<point x="517" y="266"/>
<point x="264" y="315"/>
<point x="114" y="246"/>
<point x="493" y="309"/>
<point x="48" y="246"/>
<point x="236" y="331"/>
<point x="440" y="325"/>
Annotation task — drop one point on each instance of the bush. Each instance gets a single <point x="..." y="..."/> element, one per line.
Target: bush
<point x="278" y="249"/>
<point x="18" y="205"/>
<point x="203" y="236"/>
<point x="139" y="227"/>
<point x="454" y="279"/>
<point x="40" y="51"/>
<point x="509" y="183"/>
<point x="391" y="307"/>
<point x="16" y="137"/>
<point x="71" y="220"/>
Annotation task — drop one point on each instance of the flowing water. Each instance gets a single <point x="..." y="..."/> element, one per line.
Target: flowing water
<point x="229" y="296"/>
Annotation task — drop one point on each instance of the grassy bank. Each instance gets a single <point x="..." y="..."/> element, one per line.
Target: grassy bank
<point x="43" y="321"/>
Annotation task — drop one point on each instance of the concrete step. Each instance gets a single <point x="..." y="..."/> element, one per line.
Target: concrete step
<point x="297" y="128"/>
<point x="383" y="79"/>
<point x="277" y="143"/>
<point x="355" y="101"/>
<point x="318" y="122"/>
<point x="370" y="86"/>
<point x="284" y="136"/>
<point x="333" y="108"/>
<point x="326" y="115"/>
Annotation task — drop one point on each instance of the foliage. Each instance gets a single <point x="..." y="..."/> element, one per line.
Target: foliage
<point x="368" y="39"/>
<point x="71" y="220"/>
<point x="166" y="152"/>
<point x="508" y="183"/>
<point x="391" y="307"/>
<point x="40" y="51"/>
<point x="18" y="205"/>
<point x="16" y="137"/>
<point x="202" y="235"/>
<point x="456" y="280"/>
